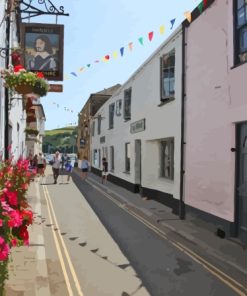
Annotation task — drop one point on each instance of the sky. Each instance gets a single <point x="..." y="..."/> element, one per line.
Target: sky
<point x="95" y="29"/>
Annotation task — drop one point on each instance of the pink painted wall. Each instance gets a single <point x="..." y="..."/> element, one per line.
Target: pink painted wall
<point x="216" y="99"/>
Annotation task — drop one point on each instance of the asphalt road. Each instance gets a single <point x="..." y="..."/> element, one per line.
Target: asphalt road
<point x="163" y="269"/>
<point x="136" y="260"/>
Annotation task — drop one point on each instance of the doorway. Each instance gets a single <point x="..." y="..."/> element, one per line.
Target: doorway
<point x="138" y="163"/>
<point x="241" y="183"/>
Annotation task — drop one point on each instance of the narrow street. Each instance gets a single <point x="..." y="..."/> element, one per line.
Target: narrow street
<point x="94" y="246"/>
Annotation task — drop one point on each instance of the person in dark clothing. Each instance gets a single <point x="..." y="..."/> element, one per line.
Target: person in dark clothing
<point x="104" y="170"/>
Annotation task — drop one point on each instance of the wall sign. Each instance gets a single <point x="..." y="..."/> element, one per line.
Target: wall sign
<point x="137" y="126"/>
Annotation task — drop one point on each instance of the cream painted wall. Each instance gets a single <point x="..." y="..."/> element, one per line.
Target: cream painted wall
<point x="216" y="100"/>
<point x="161" y="122"/>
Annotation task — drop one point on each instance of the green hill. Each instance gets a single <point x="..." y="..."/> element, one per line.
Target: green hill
<point x="62" y="139"/>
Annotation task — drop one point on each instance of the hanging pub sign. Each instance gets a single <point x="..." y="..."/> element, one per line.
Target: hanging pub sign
<point x="43" y="49"/>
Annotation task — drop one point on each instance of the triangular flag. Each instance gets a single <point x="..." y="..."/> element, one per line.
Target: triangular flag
<point x="122" y="51"/>
<point x="107" y="57"/>
<point x="172" y="22"/>
<point x="187" y="14"/>
<point x="82" y="68"/>
<point x="115" y="54"/>
<point x="200" y="6"/>
<point x="130" y="46"/>
<point x="88" y="65"/>
<point x="97" y="61"/>
<point x="141" y="40"/>
<point x="204" y="3"/>
<point x="73" y="73"/>
<point x="162" y="29"/>
<point x="150" y="36"/>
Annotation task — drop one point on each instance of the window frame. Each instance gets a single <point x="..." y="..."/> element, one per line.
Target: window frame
<point x="127" y="98"/>
<point x="111" y="115"/>
<point x="240" y="56"/>
<point x="170" y="142"/>
<point x="99" y="119"/>
<point x="163" y="97"/>
<point x="127" y="159"/>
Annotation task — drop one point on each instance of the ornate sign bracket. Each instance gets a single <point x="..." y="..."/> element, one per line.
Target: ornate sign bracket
<point x="28" y="10"/>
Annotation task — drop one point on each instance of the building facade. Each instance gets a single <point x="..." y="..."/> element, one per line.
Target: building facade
<point x="86" y="115"/>
<point x="139" y="131"/>
<point x="215" y="184"/>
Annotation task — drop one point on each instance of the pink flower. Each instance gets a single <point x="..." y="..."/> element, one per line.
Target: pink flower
<point x="1" y="222"/>
<point x="27" y="216"/>
<point x="12" y="196"/>
<point x="4" y="250"/>
<point x="23" y="233"/>
<point x="24" y="186"/>
<point x="14" y="242"/>
<point x="15" y="219"/>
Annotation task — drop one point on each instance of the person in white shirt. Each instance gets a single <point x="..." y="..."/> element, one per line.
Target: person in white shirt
<point x="56" y="166"/>
<point x="41" y="164"/>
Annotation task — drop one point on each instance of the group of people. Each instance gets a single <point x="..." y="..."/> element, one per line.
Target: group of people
<point x="38" y="163"/>
<point x="85" y="168"/>
<point x="58" y="162"/>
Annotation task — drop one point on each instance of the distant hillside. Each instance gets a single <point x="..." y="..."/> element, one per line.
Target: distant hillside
<point x="62" y="139"/>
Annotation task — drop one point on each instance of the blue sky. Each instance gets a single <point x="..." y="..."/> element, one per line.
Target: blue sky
<point x="98" y="28"/>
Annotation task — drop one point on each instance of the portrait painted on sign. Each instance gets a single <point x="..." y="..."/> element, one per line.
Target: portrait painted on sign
<point x="43" y="47"/>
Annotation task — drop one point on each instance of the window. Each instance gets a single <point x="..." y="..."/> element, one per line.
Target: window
<point x="99" y="163"/>
<point x="118" y="107"/>
<point x="99" y="124"/>
<point x="95" y="157"/>
<point x="241" y="31"/>
<point x="111" y="115"/>
<point x="93" y="128"/>
<point x="112" y="157"/>
<point x="127" y="157"/>
<point x="167" y="158"/>
<point x="167" y="65"/>
<point x="127" y="104"/>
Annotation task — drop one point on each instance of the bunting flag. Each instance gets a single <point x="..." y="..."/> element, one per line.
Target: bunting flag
<point x="172" y="22"/>
<point x="66" y="77"/>
<point x="107" y="57"/>
<point x="162" y="30"/>
<point x="73" y="73"/>
<point x="115" y="54"/>
<point x="187" y="14"/>
<point x="200" y="6"/>
<point x="150" y="36"/>
<point x="205" y="3"/>
<point x="130" y="45"/>
<point x="122" y="51"/>
<point x="97" y="61"/>
<point x="88" y="65"/>
<point x="141" y="40"/>
<point x="81" y="69"/>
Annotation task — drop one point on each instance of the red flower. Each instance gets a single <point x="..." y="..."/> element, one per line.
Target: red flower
<point x="18" y="68"/>
<point x="27" y="216"/>
<point x="40" y="74"/>
<point x="23" y="233"/>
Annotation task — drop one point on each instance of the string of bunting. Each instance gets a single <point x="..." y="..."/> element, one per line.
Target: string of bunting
<point x="201" y="6"/>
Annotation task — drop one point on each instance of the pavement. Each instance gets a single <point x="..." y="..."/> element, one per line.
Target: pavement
<point x="28" y="272"/>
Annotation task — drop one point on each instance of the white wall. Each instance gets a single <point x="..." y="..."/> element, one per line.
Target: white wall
<point x="161" y="122"/>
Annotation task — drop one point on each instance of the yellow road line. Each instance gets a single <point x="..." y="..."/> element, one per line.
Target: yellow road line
<point x="58" y="249"/>
<point x="72" y="270"/>
<point x="207" y="265"/>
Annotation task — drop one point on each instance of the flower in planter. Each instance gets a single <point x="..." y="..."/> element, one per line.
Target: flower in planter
<point x="24" y="82"/>
<point x="31" y="131"/>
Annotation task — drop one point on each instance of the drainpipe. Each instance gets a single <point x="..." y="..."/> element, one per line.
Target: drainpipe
<point x="6" y="98"/>
<point x="182" y="171"/>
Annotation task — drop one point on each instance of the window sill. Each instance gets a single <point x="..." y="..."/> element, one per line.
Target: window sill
<point x="127" y="172"/>
<point x="165" y="101"/>
<point x="166" y="179"/>
<point x="238" y="65"/>
<point x="125" y="120"/>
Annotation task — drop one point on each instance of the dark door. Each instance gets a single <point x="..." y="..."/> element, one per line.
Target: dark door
<point x="242" y="181"/>
<point x="138" y="162"/>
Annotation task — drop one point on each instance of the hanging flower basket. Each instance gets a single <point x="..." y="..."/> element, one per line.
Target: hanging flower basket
<point x="24" y="82"/>
<point x="31" y="131"/>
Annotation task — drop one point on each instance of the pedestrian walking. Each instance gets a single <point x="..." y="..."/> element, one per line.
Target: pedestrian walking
<point x="56" y="166"/>
<point x="41" y="165"/>
<point x="69" y="169"/>
<point x="104" y="170"/>
<point x="84" y="167"/>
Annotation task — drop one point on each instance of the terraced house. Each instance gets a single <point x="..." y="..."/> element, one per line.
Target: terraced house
<point x="138" y="129"/>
